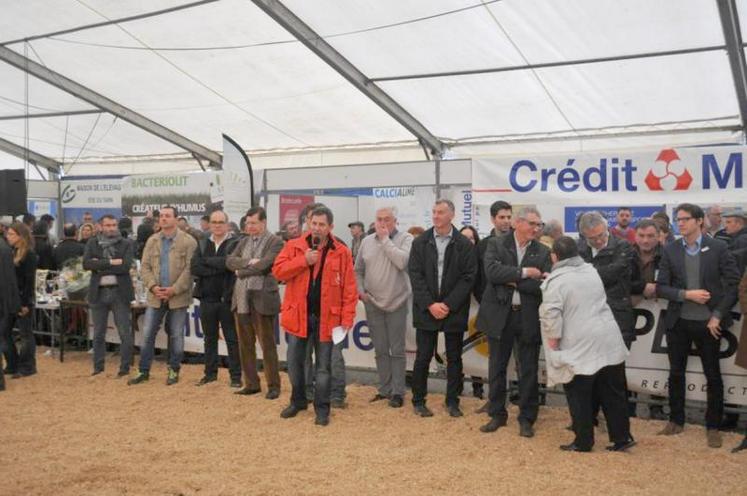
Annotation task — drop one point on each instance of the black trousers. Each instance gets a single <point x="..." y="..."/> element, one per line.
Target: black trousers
<point x="213" y="314"/>
<point x="680" y="339"/>
<point x="3" y="322"/>
<point x="426" y="344"/>
<point x="528" y="357"/>
<point x="608" y="386"/>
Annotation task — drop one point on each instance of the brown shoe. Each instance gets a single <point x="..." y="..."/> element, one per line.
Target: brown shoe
<point x="670" y="429"/>
<point x="714" y="438"/>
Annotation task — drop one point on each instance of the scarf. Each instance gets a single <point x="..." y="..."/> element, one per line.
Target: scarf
<point x="107" y="243"/>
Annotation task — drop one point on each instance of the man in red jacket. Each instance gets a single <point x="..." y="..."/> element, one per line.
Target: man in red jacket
<point x="320" y="295"/>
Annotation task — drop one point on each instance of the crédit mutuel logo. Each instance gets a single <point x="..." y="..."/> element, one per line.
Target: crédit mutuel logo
<point x="715" y="168"/>
<point x="668" y="173"/>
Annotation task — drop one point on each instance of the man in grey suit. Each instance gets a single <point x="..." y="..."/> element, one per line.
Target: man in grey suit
<point x="256" y="301"/>
<point x="515" y="264"/>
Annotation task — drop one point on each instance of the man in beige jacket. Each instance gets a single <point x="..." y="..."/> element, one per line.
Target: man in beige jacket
<point x="166" y="275"/>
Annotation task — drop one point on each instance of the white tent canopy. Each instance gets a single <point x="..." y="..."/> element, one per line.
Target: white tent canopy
<point x="506" y="73"/>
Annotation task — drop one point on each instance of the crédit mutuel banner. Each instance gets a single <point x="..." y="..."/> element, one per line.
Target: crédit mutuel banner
<point x="562" y="186"/>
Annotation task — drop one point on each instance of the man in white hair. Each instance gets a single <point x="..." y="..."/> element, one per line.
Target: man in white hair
<point x="384" y="288"/>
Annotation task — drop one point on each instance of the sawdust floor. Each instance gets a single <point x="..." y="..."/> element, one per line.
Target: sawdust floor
<point x="63" y="432"/>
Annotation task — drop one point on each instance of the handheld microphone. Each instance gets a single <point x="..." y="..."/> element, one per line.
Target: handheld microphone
<point x="315" y="242"/>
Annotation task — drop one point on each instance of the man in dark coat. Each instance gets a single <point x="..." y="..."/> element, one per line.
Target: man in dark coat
<point x="10" y="301"/>
<point x="500" y="215"/>
<point x="699" y="278"/>
<point x="613" y="259"/>
<point x="109" y="257"/>
<point x="514" y="267"/>
<point x="69" y="248"/>
<point x="442" y="269"/>
<point x="734" y="234"/>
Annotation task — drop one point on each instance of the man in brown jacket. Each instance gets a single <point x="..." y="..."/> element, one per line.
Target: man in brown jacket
<point x="166" y="275"/>
<point x="256" y="301"/>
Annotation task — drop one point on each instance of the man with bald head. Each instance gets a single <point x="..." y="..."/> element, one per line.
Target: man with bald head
<point x="384" y="288"/>
<point x="214" y="288"/>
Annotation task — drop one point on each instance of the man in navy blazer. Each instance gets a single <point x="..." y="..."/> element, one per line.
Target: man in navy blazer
<point x="699" y="277"/>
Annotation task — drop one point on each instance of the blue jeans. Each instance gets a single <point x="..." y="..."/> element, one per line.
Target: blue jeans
<point x="177" y="320"/>
<point x="337" y="366"/>
<point x="109" y="300"/>
<point x="296" y="358"/>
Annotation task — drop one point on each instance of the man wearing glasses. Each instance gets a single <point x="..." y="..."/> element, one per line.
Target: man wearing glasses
<point x="514" y="267"/>
<point x="699" y="277"/>
<point x="613" y="259"/>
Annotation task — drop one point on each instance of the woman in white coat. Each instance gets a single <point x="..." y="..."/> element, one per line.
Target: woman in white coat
<point x="584" y="349"/>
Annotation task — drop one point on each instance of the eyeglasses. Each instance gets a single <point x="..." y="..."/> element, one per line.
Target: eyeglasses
<point x="218" y="222"/>
<point x="683" y="219"/>
<point x="599" y="236"/>
<point x="535" y="225"/>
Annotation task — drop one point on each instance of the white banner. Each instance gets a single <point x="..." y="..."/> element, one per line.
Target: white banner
<point x="413" y="204"/>
<point x="562" y="186"/>
<point x="647" y="366"/>
<point x="236" y="181"/>
<point x="96" y="195"/>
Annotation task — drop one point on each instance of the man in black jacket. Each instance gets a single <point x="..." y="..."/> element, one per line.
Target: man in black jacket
<point x="442" y="269"/>
<point x="734" y="234"/>
<point x="500" y="215"/>
<point x="613" y="259"/>
<point x="214" y="289"/>
<point x="699" y="278"/>
<point x="10" y="301"/>
<point x="514" y="267"/>
<point x="69" y="248"/>
<point x="109" y="257"/>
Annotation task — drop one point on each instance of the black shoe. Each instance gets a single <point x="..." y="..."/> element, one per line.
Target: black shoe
<point x="377" y="397"/>
<point x="122" y="373"/>
<point x="656" y="412"/>
<point x="396" y="401"/>
<point x="514" y="399"/>
<point x="206" y="379"/>
<point x="526" y="429"/>
<point x="235" y="383"/>
<point x="742" y="446"/>
<point x="454" y="411"/>
<point x="622" y="446"/>
<point x="477" y="390"/>
<point x="322" y="420"/>
<point x="494" y="424"/>
<point x="172" y="377"/>
<point x="272" y="394"/>
<point x="338" y="403"/>
<point x="291" y="411"/>
<point x="483" y="408"/>
<point x="97" y="372"/>
<point x="247" y="391"/>
<point x="573" y="447"/>
<point x="423" y="411"/>
<point x="138" y="379"/>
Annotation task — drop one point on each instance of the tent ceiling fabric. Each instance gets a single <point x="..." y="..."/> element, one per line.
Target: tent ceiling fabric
<point x="226" y="67"/>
